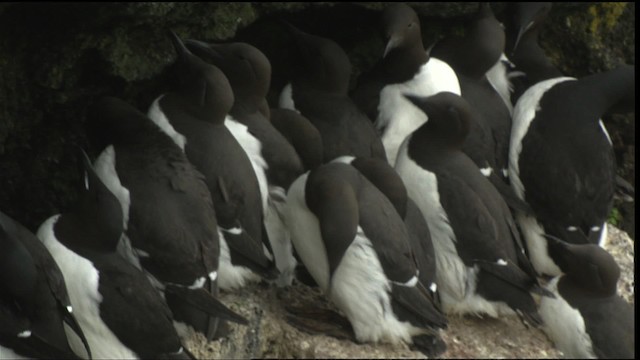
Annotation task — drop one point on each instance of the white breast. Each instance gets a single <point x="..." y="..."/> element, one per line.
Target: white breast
<point x="159" y="118"/>
<point x="397" y="116"/>
<point x="105" y="168"/>
<point x="537" y="245"/>
<point x="358" y="286"/>
<point x="82" y="281"/>
<point x="422" y="186"/>
<point x="275" y="223"/>
<point x="253" y="148"/>
<point x="499" y="80"/>
<point x="360" y="289"/>
<point x="565" y="325"/>
<point x="305" y="233"/>
<point x="456" y="282"/>
<point x="286" y="98"/>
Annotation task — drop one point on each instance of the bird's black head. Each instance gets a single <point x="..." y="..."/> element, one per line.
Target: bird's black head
<point x="401" y="28"/>
<point x="449" y="117"/>
<point x="588" y="265"/>
<point x="96" y="221"/>
<point x="247" y="69"/>
<point x="523" y="17"/>
<point x="323" y="63"/>
<point x="204" y="90"/>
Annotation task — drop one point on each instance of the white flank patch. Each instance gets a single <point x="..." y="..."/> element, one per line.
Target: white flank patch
<point x="532" y="231"/>
<point x="505" y="172"/>
<point x="606" y="133"/>
<point x="86" y="180"/>
<point x="399" y="117"/>
<point x="253" y="148"/>
<point x="345" y="159"/>
<point x="595" y="228"/>
<point x="232" y="277"/>
<point x="81" y="279"/>
<point x="305" y="233"/>
<point x="486" y="171"/>
<point x="158" y="117"/>
<point x="213" y="275"/>
<point x="276" y="226"/>
<point x="25" y="334"/>
<point x="457" y="282"/>
<point x="233" y="231"/>
<point x="499" y="80"/>
<point x="105" y="168"/>
<point x="266" y="252"/>
<point x="433" y="287"/>
<point x="409" y="283"/>
<point x="141" y="253"/>
<point x="70" y="309"/>
<point x="501" y="262"/>
<point x="197" y="284"/>
<point x="360" y="289"/>
<point x="564" y="325"/>
<point x="604" y="238"/>
<point x="572" y="228"/>
<point x="285" y="100"/>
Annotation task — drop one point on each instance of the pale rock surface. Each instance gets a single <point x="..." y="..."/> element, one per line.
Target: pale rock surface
<point x="269" y="335"/>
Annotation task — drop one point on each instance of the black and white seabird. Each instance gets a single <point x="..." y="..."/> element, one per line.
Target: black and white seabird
<point x="319" y="91"/>
<point x="481" y="264"/>
<point x="472" y="56"/>
<point x="170" y="221"/>
<point x="387" y="180"/>
<point x="405" y="67"/>
<point x="587" y="319"/>
<point x="356" y="246"/>
<point x="195" y="110"/>
<point x="121" y="313"/>
<point x="524" y="22"/>
<point x="562" y="160"/>
<point x="34" y="302"/>
<point x="249" y="74"/>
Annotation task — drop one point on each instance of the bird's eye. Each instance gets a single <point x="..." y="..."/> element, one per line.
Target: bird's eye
<point x="410" y="25"/>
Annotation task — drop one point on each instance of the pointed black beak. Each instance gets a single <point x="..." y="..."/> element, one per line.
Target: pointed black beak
<point x="415" y="100"/>
<point x="178" y="45"/>
<point x="196" y="45"/>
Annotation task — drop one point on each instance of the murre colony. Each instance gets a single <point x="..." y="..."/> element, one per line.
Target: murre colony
<point x="423" y="189"/>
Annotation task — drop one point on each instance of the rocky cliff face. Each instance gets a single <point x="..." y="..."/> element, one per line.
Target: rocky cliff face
<point x="57" y="58"/>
